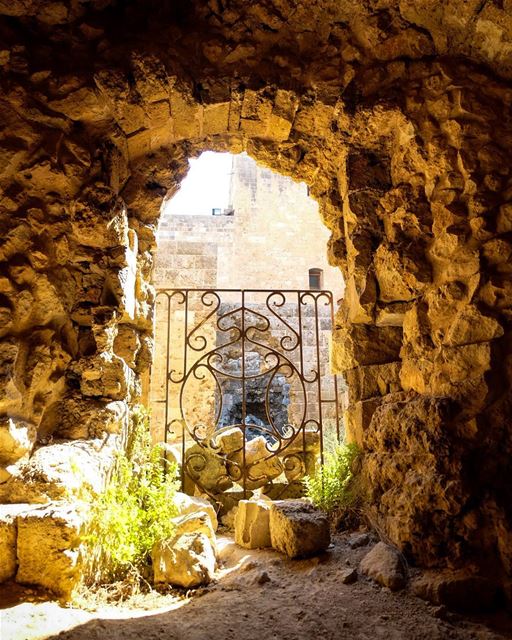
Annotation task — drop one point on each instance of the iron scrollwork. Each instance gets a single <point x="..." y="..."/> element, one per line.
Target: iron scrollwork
<point x="244" y="397"/>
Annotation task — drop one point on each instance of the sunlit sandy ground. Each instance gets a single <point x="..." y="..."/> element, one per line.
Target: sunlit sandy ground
<point x="258" y="595"/>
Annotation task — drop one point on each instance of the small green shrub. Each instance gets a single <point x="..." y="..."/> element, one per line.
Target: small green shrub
<point x="134" y="511"/>
<point x="331" y="487"/>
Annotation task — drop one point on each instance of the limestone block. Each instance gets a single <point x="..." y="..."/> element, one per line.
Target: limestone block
<point x="261" y="465"/>
<point x="99" y="218"/>
<point x="190" y="505"/>
<point x="298" y="464"/>
<point x="216" y="118"/>
<point x="252" y="524"/>
<point x="298" y="529"/>
<point x="206" y="469"/>
<point x="361" y="344"/>
<point x="121" y="100"/>
<point x="150" y="78"/>
<point x="360" y="298"/>
<point x="56" y="471"/>
<point x="392" y="314"/>
<point x="171" y="454"/>
<point x="470" y="326"/>
<point x="120" y="283"/>
<point x="187" y="115"/>
<point x="228" y="500"/>
<point x="399" y="280"/>
<point x="358" y="417"/>
<point x="456" y="371"/>
<point x="199" y="522"/>
<point x="104" y="375"/>
<point x="385" y="565"/>
<point x="284" y="490"/>
<point x="230" y="440"/>
<point x="82" y="104"/>
<point x="48" y="548"/>
<point x="139" y="143"/>
<point x="307" y="440"/>
<point x="17" y="439"/>
<point x="187" y="561"/>
<point x="8" y="538"/>
<point x="315" y="117"/>
<point x="373" y="381"/>
<point x="79" y="418"/>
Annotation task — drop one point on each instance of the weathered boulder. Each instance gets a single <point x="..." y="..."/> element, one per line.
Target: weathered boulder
<point x="199" y="522"/>
<point x="260" y="463"/>
<point x="190" y="505"/>
<point x="187" y="561"/>
<point x="230" y="440"/>
<point x="385" y="565"/>
<point x="298" y="464"/>
<point x="8" y="539"/>
<point x="48" y="547"/>
<point x="298" y="529"/>
<point x="170" y="454"/>
<point x="252" y="524"/>
<point x="56" y="471"/>
<point x="77" y="418"/>
<point x="16" y="440"/>
<point x="206" y="469"/>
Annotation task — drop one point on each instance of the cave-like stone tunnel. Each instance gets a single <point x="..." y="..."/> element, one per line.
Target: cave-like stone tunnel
<point x="397" y="115"/>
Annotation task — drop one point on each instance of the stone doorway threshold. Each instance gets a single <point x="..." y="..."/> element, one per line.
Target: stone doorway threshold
<point x="257" y="595"/>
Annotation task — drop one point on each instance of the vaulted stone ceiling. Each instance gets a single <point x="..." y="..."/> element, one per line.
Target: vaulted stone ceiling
<point x="396" y="114"/>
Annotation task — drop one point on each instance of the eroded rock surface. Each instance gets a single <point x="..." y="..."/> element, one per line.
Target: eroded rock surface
<point x="186" y="561"/>
<point x="396" y="114"/>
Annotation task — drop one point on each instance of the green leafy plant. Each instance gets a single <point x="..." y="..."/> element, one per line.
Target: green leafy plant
<point x="332" y="487"/>
<point x="135" y="510"/>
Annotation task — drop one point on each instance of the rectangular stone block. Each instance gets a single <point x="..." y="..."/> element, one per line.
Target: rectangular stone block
<point x="373" y="381"/>
<point x="8" y="536"/>
<point x="252" y="524"/>
<point x="298" y="529"/>
<point x="357" y="420"/>
<point x="354" y="345"/>
<point x="48" y="548"/>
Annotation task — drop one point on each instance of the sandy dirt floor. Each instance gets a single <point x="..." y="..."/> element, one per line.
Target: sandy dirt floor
<point x="258" y="595"/>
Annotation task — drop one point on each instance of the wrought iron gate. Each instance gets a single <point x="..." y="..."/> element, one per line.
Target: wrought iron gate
<point x="246" y="393"/>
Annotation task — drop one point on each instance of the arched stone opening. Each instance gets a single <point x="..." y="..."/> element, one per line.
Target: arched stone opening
<point x="408" y="160"/>
<point x="264" y="244"/>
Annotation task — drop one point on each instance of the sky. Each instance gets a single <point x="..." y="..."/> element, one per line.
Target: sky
<point x="205" y="187"/>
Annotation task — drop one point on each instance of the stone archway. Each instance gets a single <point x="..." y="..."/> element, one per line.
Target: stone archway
<point x="407" y="159"/>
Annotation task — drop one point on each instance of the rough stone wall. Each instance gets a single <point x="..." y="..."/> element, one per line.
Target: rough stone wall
<point x="403" y="139"/>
